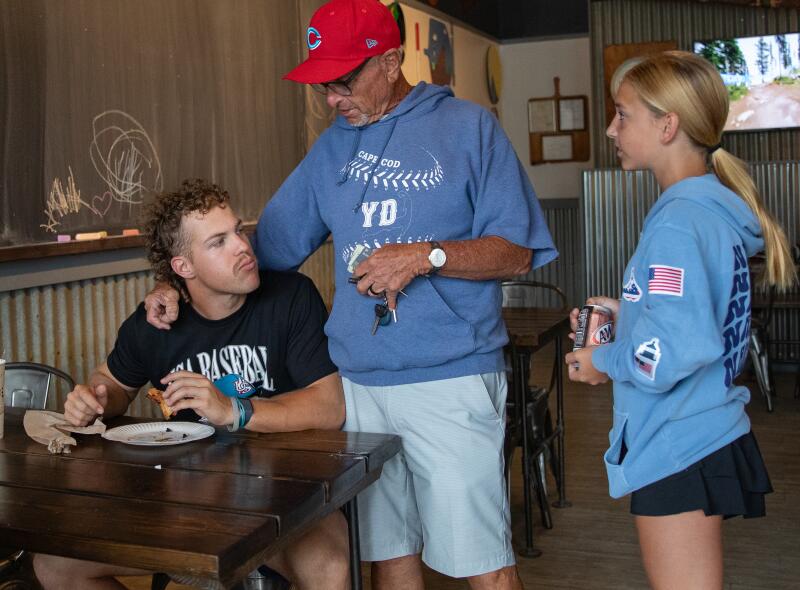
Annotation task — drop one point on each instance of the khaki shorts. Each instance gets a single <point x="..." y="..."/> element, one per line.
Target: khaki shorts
<point x="444" y="493"/>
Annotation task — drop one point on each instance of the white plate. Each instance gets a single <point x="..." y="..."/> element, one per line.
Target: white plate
<point x="156" y="434"/>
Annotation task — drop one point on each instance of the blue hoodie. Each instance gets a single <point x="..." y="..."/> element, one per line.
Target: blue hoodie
<point x="435" y="168"/>
<point x="681" y="335"/>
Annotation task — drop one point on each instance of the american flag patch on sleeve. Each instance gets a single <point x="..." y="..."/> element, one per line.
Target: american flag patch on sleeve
<point x="665" y="280"/>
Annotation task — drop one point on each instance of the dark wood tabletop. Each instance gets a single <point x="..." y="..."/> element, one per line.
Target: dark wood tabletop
<point x="533" y="327"/>
<point x="213" y="508"/>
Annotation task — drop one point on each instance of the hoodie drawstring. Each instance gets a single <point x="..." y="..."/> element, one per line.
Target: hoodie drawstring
<point x="353" y="149"/>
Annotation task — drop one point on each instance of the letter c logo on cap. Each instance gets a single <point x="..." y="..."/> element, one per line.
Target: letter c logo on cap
<point x="313" y="38"/>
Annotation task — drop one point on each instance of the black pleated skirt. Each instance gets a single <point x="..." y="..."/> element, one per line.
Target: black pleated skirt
<point x="729" y="482"/>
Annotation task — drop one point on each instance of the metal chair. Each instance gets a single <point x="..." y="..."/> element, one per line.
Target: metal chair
<point x="12" y="572"/>
<point x="759" y="354"/>
<point x="771" y="309"/>
<point x="760" y="319"/>
<point x="536" y="418"/>
<point x="533" y="294"/>
<point x="27" y="385"/>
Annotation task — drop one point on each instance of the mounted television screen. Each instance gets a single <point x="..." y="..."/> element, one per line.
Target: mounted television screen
<point x="762" y="75"/>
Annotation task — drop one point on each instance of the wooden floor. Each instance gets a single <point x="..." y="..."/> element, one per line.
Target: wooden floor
<point x="593" y="543"/>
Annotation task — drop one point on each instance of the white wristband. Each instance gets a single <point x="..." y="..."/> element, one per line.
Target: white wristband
<point x="235" y="426"/>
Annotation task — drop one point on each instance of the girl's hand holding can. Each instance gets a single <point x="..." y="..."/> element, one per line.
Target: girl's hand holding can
<point x="581" y="368"/>
<point x="608" y="302"/>
<point x="573" y="322"/>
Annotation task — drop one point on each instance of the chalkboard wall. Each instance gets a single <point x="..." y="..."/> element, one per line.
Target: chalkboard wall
<point x="106" y="101"/>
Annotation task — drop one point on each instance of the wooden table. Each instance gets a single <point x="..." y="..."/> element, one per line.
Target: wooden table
<point x="214" y="508"/>
<point x="529" y="330"/>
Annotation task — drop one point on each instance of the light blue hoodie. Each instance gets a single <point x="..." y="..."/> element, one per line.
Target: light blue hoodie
<point x="682" y="335"/>
<point x="435" y="168"/>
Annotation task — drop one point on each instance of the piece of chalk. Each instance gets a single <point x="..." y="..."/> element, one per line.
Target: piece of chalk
<point x="63" y="238"/>
<point x="96" y="235"/>
<point x="130" y="232"/>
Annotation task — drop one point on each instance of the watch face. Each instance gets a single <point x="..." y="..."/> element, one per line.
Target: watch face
<point x="437" y="257"/>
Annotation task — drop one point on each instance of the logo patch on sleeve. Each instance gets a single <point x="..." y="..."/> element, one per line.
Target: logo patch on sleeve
<point x="665" y="280"/>
<point x="647" y="357"/>
<point x="631" y="291"/>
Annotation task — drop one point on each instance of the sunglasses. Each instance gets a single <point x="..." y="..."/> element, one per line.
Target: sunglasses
<point x="342" y="86"/>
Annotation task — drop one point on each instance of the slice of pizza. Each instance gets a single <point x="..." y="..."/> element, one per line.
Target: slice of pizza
<point x="156" y="397"/>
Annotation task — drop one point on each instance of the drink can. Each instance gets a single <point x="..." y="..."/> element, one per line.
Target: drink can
<point x="595" y="326"/>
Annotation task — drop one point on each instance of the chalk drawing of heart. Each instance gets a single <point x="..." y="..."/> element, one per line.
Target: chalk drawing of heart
<point x="101" y="204"/>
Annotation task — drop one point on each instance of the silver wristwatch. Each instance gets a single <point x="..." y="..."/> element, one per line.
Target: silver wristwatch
<point x="437" y="257"/>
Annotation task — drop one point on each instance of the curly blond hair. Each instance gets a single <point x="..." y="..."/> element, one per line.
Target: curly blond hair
<point x="162" y="227"/>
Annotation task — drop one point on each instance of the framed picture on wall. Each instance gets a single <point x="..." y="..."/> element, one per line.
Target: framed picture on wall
<point x="558" y="127"/>
<point x="572" y="114"/>
<point x="557" y="148"/>
<point x="541" y="115"/>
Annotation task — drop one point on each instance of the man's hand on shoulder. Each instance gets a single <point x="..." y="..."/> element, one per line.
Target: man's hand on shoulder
<point x="192" y="390"/>
<point x="85" y="403"/>
<point x="162" y="306"/>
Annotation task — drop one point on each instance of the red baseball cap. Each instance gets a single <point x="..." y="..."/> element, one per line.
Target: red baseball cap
<point x="341" y="35"/>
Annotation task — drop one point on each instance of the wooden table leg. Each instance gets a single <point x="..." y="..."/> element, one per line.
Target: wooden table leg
<point x="523" y="360"/>
<point x="562" y="476"/>
<point x="351" y="512"/>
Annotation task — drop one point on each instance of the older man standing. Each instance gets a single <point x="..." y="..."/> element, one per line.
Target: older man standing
<point x="428" y="206"/>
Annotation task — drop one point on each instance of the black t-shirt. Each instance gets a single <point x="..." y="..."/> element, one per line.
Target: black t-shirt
<point x="275" y="341"/>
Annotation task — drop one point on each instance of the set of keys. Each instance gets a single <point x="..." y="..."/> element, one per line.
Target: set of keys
<point x="382" y="315"/>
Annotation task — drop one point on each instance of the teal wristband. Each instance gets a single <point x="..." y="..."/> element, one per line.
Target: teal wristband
<point x="241" y="413"/>
<point x="246" y="412"/>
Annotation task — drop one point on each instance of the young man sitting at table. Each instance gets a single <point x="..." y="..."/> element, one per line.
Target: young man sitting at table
<point x="265" y="327"/>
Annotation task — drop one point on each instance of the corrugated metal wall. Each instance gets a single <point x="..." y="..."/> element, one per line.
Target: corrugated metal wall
<point x="613" y="209"/>
<point x="615" y="204"/>
<point x="73" y="325"/>
<point x="566" y="272"/>
<point x="615" y="22"/>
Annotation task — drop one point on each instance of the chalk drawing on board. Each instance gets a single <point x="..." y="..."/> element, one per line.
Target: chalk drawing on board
<point x="65" y="198"/>
<point x="124" y="157"/>
<point x="126" y="160"/>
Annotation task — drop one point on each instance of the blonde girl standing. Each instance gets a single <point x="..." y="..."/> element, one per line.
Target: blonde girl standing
<point x="681" y="443"/>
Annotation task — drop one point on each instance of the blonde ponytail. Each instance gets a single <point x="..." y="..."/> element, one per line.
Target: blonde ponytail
<point x="779" y="270"/>
<point x="677" y="82"/>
